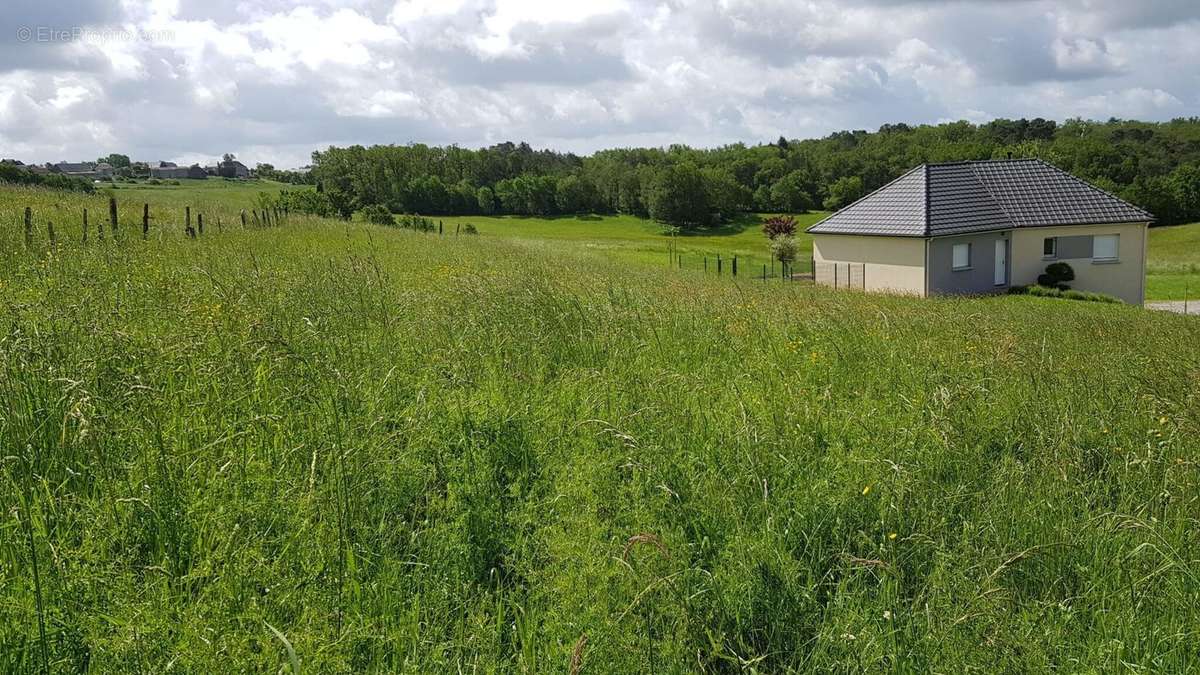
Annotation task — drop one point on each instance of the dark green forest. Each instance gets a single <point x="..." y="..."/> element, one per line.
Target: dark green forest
<point x="1153" y="165"/>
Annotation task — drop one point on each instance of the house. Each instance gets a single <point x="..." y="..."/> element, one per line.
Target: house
<point x="979" y="227"/>
<point x="89" y="170"/>
<point x="233" y="169"/>
<point x="168" y="170"/>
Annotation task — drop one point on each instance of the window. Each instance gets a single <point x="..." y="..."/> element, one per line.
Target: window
<point x="1105" y="246"/>
<point x="1050" y="247"/>
<point x="962" y="256"/>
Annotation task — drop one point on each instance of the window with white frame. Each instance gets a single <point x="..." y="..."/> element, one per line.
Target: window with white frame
<point x="1105" y="246"/>
<point x="961" y="257"/>
<point x="1050" y="247"/>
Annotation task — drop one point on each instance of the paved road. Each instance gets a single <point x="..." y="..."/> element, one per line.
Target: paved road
<point x="1177" y="306"/>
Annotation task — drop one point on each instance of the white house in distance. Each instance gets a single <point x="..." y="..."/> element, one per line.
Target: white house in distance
<point x="978" y="227"/>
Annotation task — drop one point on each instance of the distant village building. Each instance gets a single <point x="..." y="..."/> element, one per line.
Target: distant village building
<point x="89" y="170"/>
<point x="169" y="170"/>
<point x="233" y="169"/>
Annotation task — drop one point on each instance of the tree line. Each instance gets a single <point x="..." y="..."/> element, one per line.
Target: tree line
<point x="1153" y="165"/>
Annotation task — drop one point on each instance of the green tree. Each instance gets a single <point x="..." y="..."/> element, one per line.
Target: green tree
<point x="1185" y="192"/>
<point x="784" y="248"/>
<point x="844" y="191"/>
<point x="115" y="160"/>
<point x="574" y="195"/>
<point x="676" y="196"/>
<point x="724" y="195"/>
<point x="789" y="194"/>
<point x="486" y="200"/>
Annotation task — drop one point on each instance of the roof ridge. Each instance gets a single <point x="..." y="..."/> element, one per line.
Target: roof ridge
<point x="1097" y="188"/>
<point x="925" y="189"/>
<point x="999" y="205"/>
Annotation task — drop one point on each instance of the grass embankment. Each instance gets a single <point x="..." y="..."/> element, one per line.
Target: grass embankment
<point x="411" y="453"/>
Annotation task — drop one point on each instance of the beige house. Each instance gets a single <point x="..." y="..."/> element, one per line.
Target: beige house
<point x="980" y="227"/>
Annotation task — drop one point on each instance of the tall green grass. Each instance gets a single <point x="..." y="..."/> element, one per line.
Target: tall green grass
<point x="364" y="449"/>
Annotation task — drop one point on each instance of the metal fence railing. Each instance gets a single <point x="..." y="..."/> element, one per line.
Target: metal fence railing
<point x="840" y="275"/>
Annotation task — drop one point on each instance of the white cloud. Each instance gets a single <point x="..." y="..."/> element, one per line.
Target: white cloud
<point x="273" y="80"/>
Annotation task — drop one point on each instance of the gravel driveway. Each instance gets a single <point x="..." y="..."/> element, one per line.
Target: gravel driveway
<point x="1177" y="306"/>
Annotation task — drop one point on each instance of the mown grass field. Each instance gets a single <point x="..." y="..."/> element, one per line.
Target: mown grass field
<point x="359" y="449"/>
<point x="638" y="240"/>
<point x="1173" y="267"/>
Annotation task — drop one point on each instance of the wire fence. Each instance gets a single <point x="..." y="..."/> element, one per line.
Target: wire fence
<point x="739" y="266"/>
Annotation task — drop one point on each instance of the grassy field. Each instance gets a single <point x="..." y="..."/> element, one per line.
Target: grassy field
<point x="1173" y="268"/>
<point x="639" y="240"/>
<point x="341" y="448"/>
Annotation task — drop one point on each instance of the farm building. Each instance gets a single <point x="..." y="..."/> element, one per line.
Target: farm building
<point x="979" y="227"/>
<point x="232" y="168"/>
<point x="90" y="170"/>
<point x="170" y="170"/>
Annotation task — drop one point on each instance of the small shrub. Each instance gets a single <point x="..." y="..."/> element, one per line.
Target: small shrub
<point x="784" y="248"/>
<point x="153" y="181"/>
<point x="779" y="226"/>
<point x="377" y="214"/>
<point x="172" y="182"/>
<point x="1061" y="292"/>
<point x="1057" y="275"/>
<point x="469" y="229"/>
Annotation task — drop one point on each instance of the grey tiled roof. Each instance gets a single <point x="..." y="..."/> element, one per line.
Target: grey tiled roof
<point x="962" y="197"/>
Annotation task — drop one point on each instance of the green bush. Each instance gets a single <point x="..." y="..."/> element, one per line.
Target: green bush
<point x="1051" y="292"/>
<point x="469" y="229"/>
<point x="377" y="215"/>
<point x="1057" y="275"/>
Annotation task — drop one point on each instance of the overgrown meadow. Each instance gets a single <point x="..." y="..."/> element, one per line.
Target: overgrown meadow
<point x="332" y="447"/>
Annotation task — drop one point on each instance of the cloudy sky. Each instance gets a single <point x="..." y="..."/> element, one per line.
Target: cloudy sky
<point x="272" y="80"/>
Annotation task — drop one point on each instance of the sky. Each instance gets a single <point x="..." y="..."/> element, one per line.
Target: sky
<point x="273" y="80"/>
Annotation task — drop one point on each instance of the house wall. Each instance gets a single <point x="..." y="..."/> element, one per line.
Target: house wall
<point x="891" y="264"/>
<point x="1125" y="278"/>
<point x="980" y="278"/>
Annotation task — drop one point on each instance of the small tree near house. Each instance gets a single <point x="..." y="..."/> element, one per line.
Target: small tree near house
<point x="784" y="248"/>
<point x="779" y="226"/>
<point x="1057" y="275"/>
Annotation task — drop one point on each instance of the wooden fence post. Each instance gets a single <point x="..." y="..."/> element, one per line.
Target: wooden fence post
<point x="145" y="220"/>
<point x="187" y="228"/>
<point x="85" y="226"/>
<point x="456" y="226"/>
<point x="718" y="264"/>
<point x="735" y="265"/>
<point x="439" y="228"/>
<point x="112" y="215"/>
<point x="243" y="219"/>
<point x="256" y="222"/>
<point x="200" y="222"/>
<point x="218" y="224"/>
<point x="28" y="227"/>
<point x="50" y="231"/>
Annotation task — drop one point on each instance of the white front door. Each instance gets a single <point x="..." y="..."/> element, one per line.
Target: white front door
<point x="1001" y="276"/>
